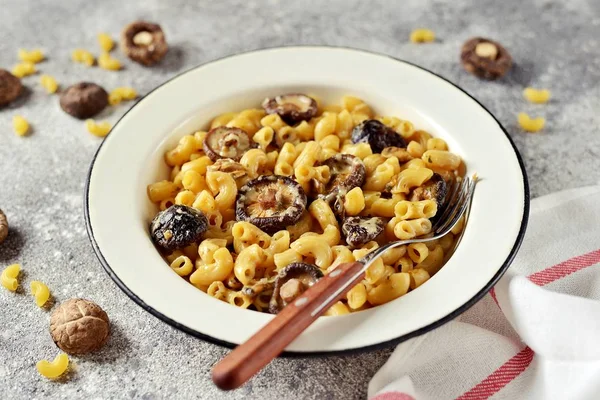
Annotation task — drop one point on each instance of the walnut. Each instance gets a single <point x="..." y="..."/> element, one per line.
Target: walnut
<point x="79" y="326"/>
<point x="3" y="227"/>
<point x="235" y="169"/>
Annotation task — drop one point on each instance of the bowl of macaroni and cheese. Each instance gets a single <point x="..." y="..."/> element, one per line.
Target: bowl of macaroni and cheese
<point x="230" y="189"/>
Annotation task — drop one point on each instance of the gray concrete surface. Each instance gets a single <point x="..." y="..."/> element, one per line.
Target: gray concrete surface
<point x="555" y="44"/>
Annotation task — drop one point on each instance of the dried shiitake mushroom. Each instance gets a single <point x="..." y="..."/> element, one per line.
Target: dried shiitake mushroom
<point x="292" y="107"/>
<point x="485" y="58"/>
<point x="144" y="42"/>
<point x="225" y="142"/>
<point x="233" y="168"/>
<point x="360" y="230"/>
<point x="79" y="326"/>
<point x="435" y="188"/>
<point x="84" y="100"/>
<point x="291" y="282"/>
<point x="10" y="87"/>
<point x="347" y="172"/>
<point x="177" y="227"/>
<point x="270" y="202"/>
<point x="378" y="135"/>
<point x="3" y="226"/>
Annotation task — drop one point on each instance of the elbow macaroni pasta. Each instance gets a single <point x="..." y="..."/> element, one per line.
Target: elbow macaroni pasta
<point x="237" y="262"/>
<point x="9" y="277"/>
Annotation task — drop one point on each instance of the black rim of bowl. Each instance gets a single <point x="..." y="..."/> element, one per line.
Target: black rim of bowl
<point x="376" y="346"/>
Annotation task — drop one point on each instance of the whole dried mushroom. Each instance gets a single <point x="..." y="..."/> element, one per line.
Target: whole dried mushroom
<point x="177" y="227"/>
<point x="485" y="58"/>
<point x="377" y="135"/>
<point x="3" y="226"/>
<point x="291" y="282"/>
<point x="360" y="230"/>
<point x="292" y="107"/>
<point x="84" y="100"/>
<point x="225" y="142"/>
<point x="79" y="326"/>
<point x="270" y="202"/>
<point x="144" y="42"/>
<point x="10" y="87"/>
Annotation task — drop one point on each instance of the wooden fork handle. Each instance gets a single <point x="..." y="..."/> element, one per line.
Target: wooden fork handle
<point x="266" y="344"/>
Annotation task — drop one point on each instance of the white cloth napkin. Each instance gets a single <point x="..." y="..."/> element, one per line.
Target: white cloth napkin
<point x="535" y="336"/>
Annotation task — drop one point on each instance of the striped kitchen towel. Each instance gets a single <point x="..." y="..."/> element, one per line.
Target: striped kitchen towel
<point x="535" y="336"/>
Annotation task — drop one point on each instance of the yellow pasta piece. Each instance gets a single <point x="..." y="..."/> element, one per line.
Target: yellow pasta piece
<point x="114" y="98"/>
<point x="357" y="296"/>
<point x="9" y="277"/>
<point x="49" y="83"/>
<point x="41" y="293"/>
<point x="105" y="61"/>
<point x="537" y="96"/>
<point x="83" y="57"/>
<point x="98" y="129"/>
<point x="105" y="41"/>
<point x="20" y="125"/>
<point x="530" y="125"/>
<point x="54" y="369"/>
<point x="182" y="266"/>
<point x="338" y="308"/>
<point x="24" y="69"/>
<point x="124" y="93"/>
<point x="422" y="36"/>
<point x="32" y="56"/>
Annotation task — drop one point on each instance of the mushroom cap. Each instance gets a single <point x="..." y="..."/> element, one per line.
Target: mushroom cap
<point x="435" y="188"/>
<point x="147" y="55"/>
<point x="270" y="202"/>
<point x="377" y="135"/>
<point x="79" y="326"/>
<point x="226" y="142"/>
<point x="360" y="230"/>
<point x="177" y="227"/>
<point x="485" y="67"/>
<point x="291" y="107"/>
<point x="83" y="100"/>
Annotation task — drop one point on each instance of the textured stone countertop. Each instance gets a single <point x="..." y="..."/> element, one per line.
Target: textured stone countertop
<point x="555" y="45"/>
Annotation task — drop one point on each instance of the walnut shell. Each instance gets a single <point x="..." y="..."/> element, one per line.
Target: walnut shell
<point x="79" y="326"/>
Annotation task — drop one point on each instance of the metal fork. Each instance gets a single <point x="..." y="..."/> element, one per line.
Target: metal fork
<point x="250" y="357"/>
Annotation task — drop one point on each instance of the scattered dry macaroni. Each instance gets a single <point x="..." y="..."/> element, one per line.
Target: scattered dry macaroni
<point x="41" y="293"/>
<point x="83" y="57"/>
<point x="538" y="96"/>
<point x="24" y="69"/>
<point x="53" y="369"/>
<point x="422" y="36"/>
<point x="120" y="94"/>
<point x="9" y="277"/>
<point x="100" y="129"/>
<point x="107" y="62"/>
<point x="33" y="56"/>
<point x="49" y="83"/>
<point x="20" y="125"/>
<point x="105" y="41"/>
<point x="531" y="124"/>
<point x="238" y="262"/>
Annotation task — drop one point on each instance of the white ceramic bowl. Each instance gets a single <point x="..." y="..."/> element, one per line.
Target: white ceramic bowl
<point x="118" y="212"/>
